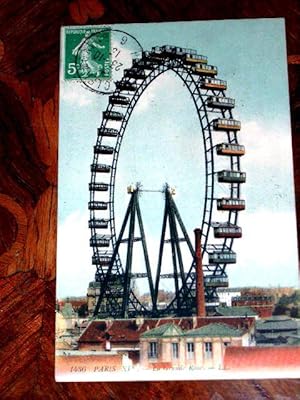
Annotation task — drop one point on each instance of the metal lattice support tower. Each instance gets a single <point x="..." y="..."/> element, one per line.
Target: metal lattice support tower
<point x="184" y="299"/>
<point x="124" y="296"/>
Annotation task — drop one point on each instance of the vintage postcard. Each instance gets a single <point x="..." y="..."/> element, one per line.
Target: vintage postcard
<point x="177" y="245"/>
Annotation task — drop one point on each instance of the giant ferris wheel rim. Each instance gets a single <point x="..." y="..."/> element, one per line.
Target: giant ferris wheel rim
<point x="184" y="73"/>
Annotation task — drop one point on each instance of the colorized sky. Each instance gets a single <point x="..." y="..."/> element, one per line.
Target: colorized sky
<point x="163" y="143"/>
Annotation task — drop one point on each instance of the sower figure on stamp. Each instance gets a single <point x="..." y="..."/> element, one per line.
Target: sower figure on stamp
<point x="83" y="51"/>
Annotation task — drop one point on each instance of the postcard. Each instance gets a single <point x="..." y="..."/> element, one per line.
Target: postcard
<point x="177" y="249"/>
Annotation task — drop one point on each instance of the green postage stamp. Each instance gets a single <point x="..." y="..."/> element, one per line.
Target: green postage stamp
<point x="87" y="53"/>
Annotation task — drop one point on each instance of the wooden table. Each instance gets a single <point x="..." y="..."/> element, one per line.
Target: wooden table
<point x="29" y="57"/>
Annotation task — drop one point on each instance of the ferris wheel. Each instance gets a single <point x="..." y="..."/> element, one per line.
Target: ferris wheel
<point x="214" y="109"/>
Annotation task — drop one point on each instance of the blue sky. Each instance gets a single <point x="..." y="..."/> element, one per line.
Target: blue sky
<point x="162" y="144"/>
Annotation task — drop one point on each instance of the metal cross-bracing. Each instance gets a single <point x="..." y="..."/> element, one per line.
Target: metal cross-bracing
<point x="127" y="303"/>
<point x="219" y="219"/>
<point x="176" y="228"/>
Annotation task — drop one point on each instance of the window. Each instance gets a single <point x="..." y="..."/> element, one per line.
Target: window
<point x="207" y="350"/>
<point x="190" y="350"/>
<point x="175" y="350"/>
<point x="152" y="350"/>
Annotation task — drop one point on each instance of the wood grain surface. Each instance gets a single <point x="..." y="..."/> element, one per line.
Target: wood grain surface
<point x="29" y="65"/>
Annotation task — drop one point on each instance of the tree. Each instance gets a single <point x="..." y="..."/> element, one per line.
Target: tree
<point x="284" y="300"/>
<point x="280" y="309"/>
<point x="83" y="310"/>
<point x="294" y="312"/>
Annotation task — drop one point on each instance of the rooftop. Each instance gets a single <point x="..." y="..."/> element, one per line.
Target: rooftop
<point x="215" y="330"/>
<point x="165" y="330"/>
<point x="228" y="290"/>
<point x="67" y="311"/>
<point x="238" y="311"/>
<point x="275" y="323"/>
<point x="130" y="330"/>
<point x="253" y="297"/>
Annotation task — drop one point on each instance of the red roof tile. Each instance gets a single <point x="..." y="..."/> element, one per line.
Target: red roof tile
<point x="94" y="332"/>
<point x="251" y="358"/>
<point x="123" y="331"/>
<point x="130" y="330"/>
<point x="236" y="322"/>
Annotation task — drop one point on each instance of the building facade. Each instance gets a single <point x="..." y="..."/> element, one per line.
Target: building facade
<point x="226" y="294"/>
<point x="168" y="346"/>
<point x="262" y="304"/>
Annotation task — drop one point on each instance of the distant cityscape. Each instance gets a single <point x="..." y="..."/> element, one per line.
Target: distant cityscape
<point x="282" y="300"/>
<point x="248" y="324"/>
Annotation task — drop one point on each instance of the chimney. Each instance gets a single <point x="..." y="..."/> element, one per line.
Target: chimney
<point x="200" y="297"/>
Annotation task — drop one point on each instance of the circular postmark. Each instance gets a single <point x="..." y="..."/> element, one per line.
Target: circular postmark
<point x="102" y="56"/>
